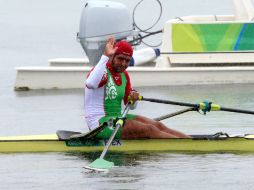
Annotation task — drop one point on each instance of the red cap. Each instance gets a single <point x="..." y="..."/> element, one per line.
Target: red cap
<point x="124" y="48"/>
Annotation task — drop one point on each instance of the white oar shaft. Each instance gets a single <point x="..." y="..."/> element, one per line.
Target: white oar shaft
<point x="114" y="133"/>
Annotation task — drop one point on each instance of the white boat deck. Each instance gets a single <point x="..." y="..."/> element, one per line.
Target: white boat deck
<point x="74" y="77"/>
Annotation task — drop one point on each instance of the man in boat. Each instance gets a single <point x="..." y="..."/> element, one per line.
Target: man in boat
<point x="107" y="85"/>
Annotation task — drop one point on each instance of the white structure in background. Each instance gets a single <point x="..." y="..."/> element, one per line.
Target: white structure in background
<point x="190" y="54"/>
<point x="101" y="19"/>
<point x="140" y="57"/>
<point x="243" y="10"/>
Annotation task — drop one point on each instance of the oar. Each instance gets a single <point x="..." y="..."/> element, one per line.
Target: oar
<point x="174" y="114"/>
<point x="100" y="164"/>
<point x="203" y="106"/>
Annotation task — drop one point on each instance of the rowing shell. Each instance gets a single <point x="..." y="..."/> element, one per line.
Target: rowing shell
<point x="199" y="143"/>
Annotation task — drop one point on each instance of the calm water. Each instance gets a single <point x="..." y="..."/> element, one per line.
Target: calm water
<point x="136" y="171"/>
<point x="32" y="31"/>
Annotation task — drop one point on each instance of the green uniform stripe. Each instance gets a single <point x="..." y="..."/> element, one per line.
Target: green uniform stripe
<point x="113" y="97"/>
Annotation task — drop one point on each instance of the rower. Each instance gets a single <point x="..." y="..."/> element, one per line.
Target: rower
<point x="107" y="85"/>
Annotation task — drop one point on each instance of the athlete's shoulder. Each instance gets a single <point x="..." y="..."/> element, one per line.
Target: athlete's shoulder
<point x="126" y="75"/>
<point x="104" y="79"/>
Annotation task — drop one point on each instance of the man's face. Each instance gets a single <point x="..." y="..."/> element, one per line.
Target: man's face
<point x="120" y="62"/>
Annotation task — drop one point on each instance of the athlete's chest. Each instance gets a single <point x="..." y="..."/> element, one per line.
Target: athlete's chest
<point x="114" y="91"/>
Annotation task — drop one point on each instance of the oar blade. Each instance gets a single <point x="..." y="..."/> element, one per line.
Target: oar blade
<point x="100" y="165"/>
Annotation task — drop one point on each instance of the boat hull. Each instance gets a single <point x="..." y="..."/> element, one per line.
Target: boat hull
<point x="232" y="144"/>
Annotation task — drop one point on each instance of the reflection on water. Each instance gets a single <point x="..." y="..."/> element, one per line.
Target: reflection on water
<point x="119" y="159"/>
<point x="160" y="170"/>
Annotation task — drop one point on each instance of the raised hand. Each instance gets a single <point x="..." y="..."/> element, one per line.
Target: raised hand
<point x="109" y="48"/>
